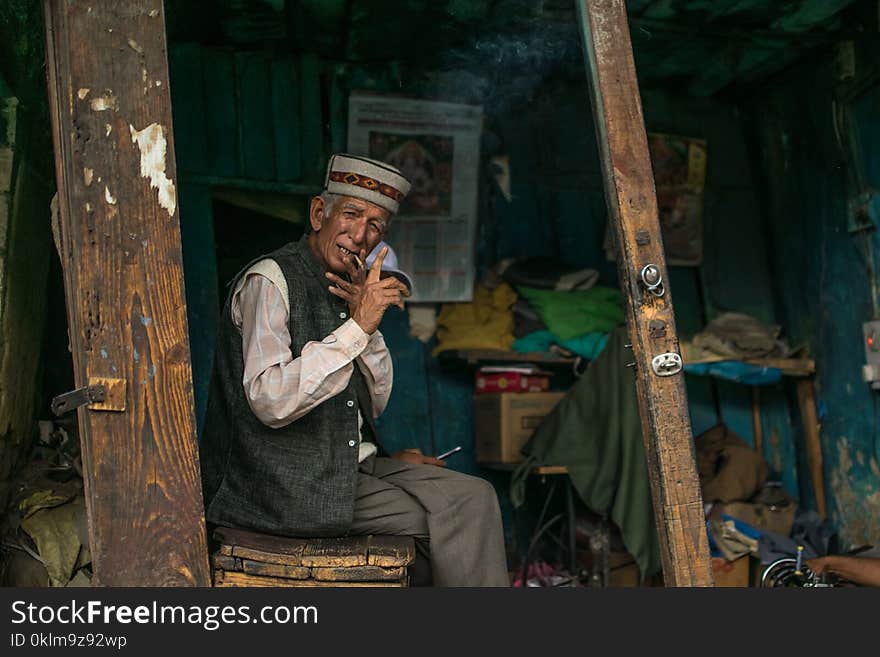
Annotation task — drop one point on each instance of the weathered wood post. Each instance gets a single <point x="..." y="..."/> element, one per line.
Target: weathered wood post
<point x="120" y="249"/>
<point x="632" y="206"/>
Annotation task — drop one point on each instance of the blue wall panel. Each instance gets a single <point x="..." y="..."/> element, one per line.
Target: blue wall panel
<point x="824" y="285"/>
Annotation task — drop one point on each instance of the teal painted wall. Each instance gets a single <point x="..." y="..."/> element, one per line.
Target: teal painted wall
<point x="821" y="269"/>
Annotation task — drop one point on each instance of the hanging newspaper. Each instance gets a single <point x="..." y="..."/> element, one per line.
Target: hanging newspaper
<point x="437" y="147"/>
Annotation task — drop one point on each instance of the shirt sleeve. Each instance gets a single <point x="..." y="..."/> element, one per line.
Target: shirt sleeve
<point x="375" y="363"/>
<point x="280" y="388"/>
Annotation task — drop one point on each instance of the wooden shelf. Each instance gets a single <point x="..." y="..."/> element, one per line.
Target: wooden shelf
<point x="478" y="356"/>
<point x="537" y="470"/>
<point x="788" y="366"/>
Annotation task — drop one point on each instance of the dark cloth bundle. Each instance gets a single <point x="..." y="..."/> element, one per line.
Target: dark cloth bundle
<point x="730" y="470"/>
<point x="548" y="274"/>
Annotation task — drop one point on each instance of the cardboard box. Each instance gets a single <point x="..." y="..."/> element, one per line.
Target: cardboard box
<point x="488" y="382"/>
<point x="503" y="422"/>
<point x="731" y="573"/>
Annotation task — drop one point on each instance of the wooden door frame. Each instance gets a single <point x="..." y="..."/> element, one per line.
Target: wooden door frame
<point x="119" y="240"/>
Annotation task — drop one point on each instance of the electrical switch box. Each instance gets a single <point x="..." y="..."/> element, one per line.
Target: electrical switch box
<point x="871" y="368"/>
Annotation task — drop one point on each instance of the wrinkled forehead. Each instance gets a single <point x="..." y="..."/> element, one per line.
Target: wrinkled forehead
<point x="362" y="207"/>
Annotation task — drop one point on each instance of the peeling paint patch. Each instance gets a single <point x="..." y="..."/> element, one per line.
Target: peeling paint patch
<point x="137" y="356"/>
<point x="151" y="371"/>
<point x="82" y="93"/>
<point x="87" y="175"/>
<point x="134" y="45"/>
<point x="857" y="499"/>
<point x="158" y="83"/>
<point x="108" y="196"/>
<point x="146" y="321"/>
<point x="103" y="103"/>
<point x="88" y="207"/>
<point x="108" y="128"/>
<point x="152" y="144"/>
<point x="104" y="353"/>
<point x="154" y="13"/>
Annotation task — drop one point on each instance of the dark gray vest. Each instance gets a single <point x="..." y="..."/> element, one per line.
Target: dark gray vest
<point x="298" y="480"/>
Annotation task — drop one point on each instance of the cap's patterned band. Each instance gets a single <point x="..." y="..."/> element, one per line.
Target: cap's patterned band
<point x="358" y="180"/>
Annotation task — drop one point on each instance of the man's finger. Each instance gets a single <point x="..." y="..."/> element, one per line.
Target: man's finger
<point x="351" y="266"/>
<point x="376" y="270"/>
<point x="340" y="282"/>
<point x="392" y="298"/>
<point x="339" y="292"/>
<point x="395" y="283"/>
<point x="360" y="267"/>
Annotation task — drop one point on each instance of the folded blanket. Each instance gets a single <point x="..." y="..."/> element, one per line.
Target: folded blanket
<point x="573" y="313"/>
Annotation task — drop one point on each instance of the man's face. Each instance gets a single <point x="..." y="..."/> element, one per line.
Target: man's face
<point x="351" y="226"/>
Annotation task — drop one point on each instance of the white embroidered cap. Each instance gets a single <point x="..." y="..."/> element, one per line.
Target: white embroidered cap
<point x="363" y="178"/>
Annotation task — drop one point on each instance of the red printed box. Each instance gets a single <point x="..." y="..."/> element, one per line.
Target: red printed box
<point x="511" y="382"/>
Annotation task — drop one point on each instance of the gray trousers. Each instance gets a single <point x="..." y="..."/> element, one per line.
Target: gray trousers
<point x="456" y="514"/>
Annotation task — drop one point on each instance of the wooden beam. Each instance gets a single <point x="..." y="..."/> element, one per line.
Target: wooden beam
<point x="807" y="403"/>
<point x="757" y="428"/>
<point x="280" y="206"/>
<point x="632" y="206"/>
<point x="123" y="278"/>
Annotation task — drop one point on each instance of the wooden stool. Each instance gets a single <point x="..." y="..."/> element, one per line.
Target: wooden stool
<point x="246" y="558"/>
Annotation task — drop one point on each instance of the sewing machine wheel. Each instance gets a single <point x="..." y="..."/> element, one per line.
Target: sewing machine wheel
<point x="781" y="573"/>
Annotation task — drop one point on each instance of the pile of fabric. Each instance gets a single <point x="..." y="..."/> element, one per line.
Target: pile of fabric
<point x="484" y="323"/>
<point x="723" y="346"/>
<point x="737" y="336"/>
<point x="534" y="305"/>
<point x="746" y="514"/>
<point x="44" y="528"/>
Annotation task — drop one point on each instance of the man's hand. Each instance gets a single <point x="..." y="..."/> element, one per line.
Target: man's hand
<point x="414" y="455"/>
<point x="368" y="295"/>
<point x="818" y="565"/>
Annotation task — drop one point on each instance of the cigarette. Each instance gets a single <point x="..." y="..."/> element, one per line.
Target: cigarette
<point x="360" y="264"/>
<point x="449" y="453"/>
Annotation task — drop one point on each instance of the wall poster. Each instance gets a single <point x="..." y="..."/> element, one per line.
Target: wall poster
<point x="437" y="147"/>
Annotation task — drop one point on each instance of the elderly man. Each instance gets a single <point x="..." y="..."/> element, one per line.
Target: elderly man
<point x="301" y="372"/>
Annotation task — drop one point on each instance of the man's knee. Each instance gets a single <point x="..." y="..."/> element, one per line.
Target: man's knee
<point x="478" y="493"/>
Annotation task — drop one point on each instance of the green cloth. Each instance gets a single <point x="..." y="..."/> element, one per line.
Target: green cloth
<point x="571" y="313"/>
<point x="588" y="345"/>
<point x="596" y="432"/>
